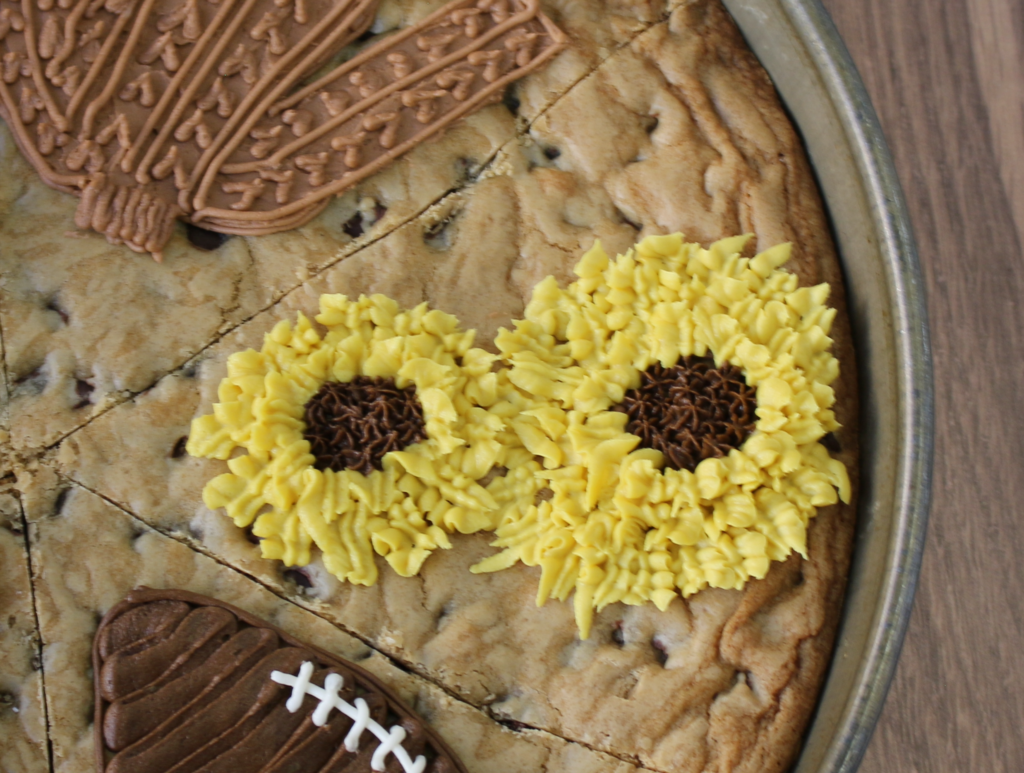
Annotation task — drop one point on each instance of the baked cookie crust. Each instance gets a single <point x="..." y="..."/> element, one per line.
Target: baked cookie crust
<point x="73" y="596"/>
<point x="23" y="739"/>
<point x="656" y="120"/>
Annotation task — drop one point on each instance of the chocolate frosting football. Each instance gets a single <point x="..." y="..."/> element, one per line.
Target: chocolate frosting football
<point x="186" y="682"/>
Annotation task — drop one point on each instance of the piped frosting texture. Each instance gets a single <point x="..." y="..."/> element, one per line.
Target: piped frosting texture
<point x="620" y="524"/>
<point x="187" y="683"/>
<point x="539" y="450"/>
<point x="157" y="110"/>
<point x="423" y="493"/>
<point x="691" y="411"/>
<point x="352" y="425"/>
<point x="329" y="694"/>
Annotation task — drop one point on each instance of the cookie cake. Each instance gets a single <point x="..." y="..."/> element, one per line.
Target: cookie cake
<point x="490" y="405"/>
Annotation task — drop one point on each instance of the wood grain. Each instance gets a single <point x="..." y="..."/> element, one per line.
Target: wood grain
<point x="947" y="79"/>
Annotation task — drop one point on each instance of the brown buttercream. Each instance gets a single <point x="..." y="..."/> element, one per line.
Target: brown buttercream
<point x="180" y="702"/>
<point x="158" y="110"/>
<point x="353" y="424"/>
<point x="209" y="674"/>
<point x="125" y="671"/>
<point x="691" y="411"/>
<point x="140" y="623"/>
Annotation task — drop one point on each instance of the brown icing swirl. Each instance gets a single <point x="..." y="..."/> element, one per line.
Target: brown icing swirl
<point x="140" y="623"/>
<point x="353" y="424"/>
<point x="157" y="110"/>
<point x="127" y="670"/>
<point x="206" y="676"/>
<point x="183" y="684"/>
<point x="691" y="411"/>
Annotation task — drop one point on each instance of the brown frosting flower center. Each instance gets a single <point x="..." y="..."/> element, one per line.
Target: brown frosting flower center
<point x="691" y="411"/>
<point x="351" y="425"/>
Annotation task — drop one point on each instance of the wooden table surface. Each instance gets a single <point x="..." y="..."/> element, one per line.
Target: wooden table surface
<point x="947" y="79"/>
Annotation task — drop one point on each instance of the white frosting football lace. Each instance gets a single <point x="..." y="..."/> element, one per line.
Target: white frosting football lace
<point x="390" y="740"/>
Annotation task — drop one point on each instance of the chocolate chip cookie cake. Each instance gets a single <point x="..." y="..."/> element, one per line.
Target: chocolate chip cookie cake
<point x="489" y="405"/>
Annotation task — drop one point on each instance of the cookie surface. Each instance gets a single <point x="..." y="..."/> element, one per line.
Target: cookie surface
<point x="72" y="597"/>
<point x="22" y="716"/>
<point x="655" y="120"/>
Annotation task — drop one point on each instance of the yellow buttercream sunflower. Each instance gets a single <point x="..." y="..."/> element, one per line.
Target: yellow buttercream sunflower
<point x="423" y="492"/>
<point x="618" y="524"/>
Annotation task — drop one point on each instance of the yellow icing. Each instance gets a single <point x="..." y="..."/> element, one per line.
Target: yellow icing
<point x="424" y="493"/>
<point x="619" y="526"/>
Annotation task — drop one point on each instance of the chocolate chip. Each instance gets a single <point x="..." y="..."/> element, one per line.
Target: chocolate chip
<point x="660" y="651"/>
<point x="551" y="153"/>
<point x="203" y="239"/>
<point x="511" y="101"/>
<point x="364" y="218"/>
<point x="445" y="610"/>
<point x="60" y="501"/>
<point x="467" y="170"/>
<point x="632" y="224"/>
<point x="352" y="425"/>
<point x="54" y="306"/>
<point x="299" y="577"/>
<point x="353" y="227"/>
<point x="617" y="635"/>
<point x="178" y="450"/>
<point x="401" y="666"/>
<point x="831" y="442"/>
<point x="83" y="390"/>
<point x="690" y="412"/>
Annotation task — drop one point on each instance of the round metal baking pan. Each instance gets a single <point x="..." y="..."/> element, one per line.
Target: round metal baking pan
<point x="812" y="70"/>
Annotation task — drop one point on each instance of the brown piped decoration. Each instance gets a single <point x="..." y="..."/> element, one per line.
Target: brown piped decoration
<point x="183" y="683"/>
<point x="201" y="110"/>
<point x="691" y="411"/>
<point x="351" y="425"/>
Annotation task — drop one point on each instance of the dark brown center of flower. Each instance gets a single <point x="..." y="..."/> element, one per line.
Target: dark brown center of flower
<point x="691" y="411"/>
<point x="351" y="425"/>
